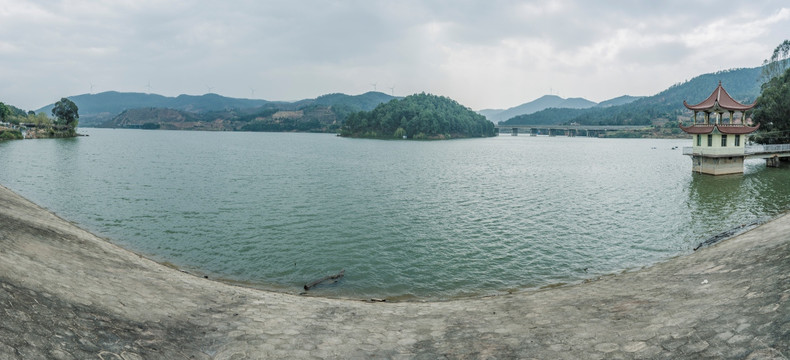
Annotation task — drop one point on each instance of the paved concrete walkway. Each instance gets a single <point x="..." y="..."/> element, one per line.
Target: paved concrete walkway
<point x="65" y="293"/>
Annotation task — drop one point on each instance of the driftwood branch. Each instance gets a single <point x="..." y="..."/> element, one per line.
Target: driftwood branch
<point x="335" y="277"/>
<point x="728" y="234"/>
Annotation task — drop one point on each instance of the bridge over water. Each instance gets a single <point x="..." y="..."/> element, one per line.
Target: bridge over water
<point x="564" y="130"/>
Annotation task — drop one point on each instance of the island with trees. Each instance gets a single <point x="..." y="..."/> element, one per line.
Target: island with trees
<point x="13" y="121"/>
<point x="419" y="116"/>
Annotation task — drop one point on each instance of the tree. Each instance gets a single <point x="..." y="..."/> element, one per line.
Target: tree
<point x="41" y="120"/>
<point x="66" y="113"/>
<point x="778" y="62"/>
<point x="5" y="112"/>
<point x="773" y="111"/>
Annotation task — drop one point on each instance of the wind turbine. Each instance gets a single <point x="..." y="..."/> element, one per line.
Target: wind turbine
<point x="148" y="86"/>
<point x="91" y="88"/>
<point x="392" y="90"/>
<point x="252" y="93"/>
<point x="374" y="86"/>
<point x="209" y="88"/>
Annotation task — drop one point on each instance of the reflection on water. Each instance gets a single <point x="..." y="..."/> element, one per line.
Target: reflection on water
<point x="403" y="218"/>
<point x="738" y="199"/>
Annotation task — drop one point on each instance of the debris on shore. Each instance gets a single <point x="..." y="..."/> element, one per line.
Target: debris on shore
<point x="335" y="277"/>
<point x="729" y="233"/>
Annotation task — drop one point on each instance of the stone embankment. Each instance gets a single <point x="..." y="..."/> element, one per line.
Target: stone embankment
<point x="65" y="293"/>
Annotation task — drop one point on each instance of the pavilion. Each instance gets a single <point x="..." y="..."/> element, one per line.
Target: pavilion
<point x="719" y="142"/>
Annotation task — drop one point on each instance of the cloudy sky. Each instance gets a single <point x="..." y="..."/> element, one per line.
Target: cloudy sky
<point x="484" y="54"/>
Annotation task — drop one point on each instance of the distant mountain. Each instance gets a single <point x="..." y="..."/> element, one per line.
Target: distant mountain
<point x="97" y="109"/>
<point x="490" y="113"/>
<point x="576" y="103"/>
<point x="622" y="100"/>
<point x="742" y="84"/>
<point x="311" y="118"/>
<point x="541" y="103"/>
<point x="365" y="102"/>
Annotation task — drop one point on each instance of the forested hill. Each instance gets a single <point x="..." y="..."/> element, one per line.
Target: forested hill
<point x="99" y="109"/>
<point x="742" y="84"/>
<point x="419" y="116"/>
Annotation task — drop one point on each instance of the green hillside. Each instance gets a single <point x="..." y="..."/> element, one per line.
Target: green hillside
<point x="365" y="102"/>
<point x="309" y="118"/>
<point x="620" y="100"/>
<point x="418" y="116"/>
<point x="742" y="84"/>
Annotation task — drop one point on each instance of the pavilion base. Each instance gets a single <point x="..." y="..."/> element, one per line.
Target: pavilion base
<point x="717" y="165"/>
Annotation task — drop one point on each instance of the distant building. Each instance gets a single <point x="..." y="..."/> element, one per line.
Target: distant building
<point x="719" y="141"/>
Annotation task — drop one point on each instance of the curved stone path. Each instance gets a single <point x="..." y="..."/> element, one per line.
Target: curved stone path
<point x="65" y="293"/>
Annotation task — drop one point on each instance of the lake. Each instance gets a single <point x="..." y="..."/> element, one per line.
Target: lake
<point x="405" y="219"/>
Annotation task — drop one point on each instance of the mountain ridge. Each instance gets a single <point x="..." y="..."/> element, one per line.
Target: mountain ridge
<point x="539" y="104"/>
<point x="97" y="109"/>
<point x="742" y="84"/>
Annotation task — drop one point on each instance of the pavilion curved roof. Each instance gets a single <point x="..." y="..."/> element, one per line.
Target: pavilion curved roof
<point x="719" y="100"/>
<point x="724" y="129"/>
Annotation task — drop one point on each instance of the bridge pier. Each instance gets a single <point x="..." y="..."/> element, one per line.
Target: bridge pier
<point x="774" y="161"/>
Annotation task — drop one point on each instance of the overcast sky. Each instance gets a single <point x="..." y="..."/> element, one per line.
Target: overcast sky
<point x="484" y="54"/>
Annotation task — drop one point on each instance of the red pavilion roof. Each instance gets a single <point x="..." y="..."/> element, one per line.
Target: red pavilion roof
<point x="719" y="100"/>
<point x="724" y="129"/>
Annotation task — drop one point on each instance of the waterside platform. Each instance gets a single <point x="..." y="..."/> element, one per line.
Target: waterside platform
<point x="66" y="293"/>
<point x="773" y="155"/>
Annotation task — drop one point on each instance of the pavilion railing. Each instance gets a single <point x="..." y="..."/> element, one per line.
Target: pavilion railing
<point x="750" y="149"/>
<point x="756" y="149"/>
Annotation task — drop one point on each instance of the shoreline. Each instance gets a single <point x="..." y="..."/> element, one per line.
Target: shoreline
<point x="68" y="293"/>
<point x="282" y="289"/>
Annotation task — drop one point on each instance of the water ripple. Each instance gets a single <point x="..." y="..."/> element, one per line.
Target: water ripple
<point x="404" y="219"/>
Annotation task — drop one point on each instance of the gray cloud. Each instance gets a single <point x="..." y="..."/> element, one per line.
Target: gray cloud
<point x="483" y="54"/>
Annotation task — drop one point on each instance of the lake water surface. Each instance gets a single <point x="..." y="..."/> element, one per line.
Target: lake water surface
<point x="405" y="219"/>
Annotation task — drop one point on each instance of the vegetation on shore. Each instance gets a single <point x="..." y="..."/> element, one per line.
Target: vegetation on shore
<point x="37" y="126"/>
<point x="773" y="106"/>
<point x="419" y="116"/>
